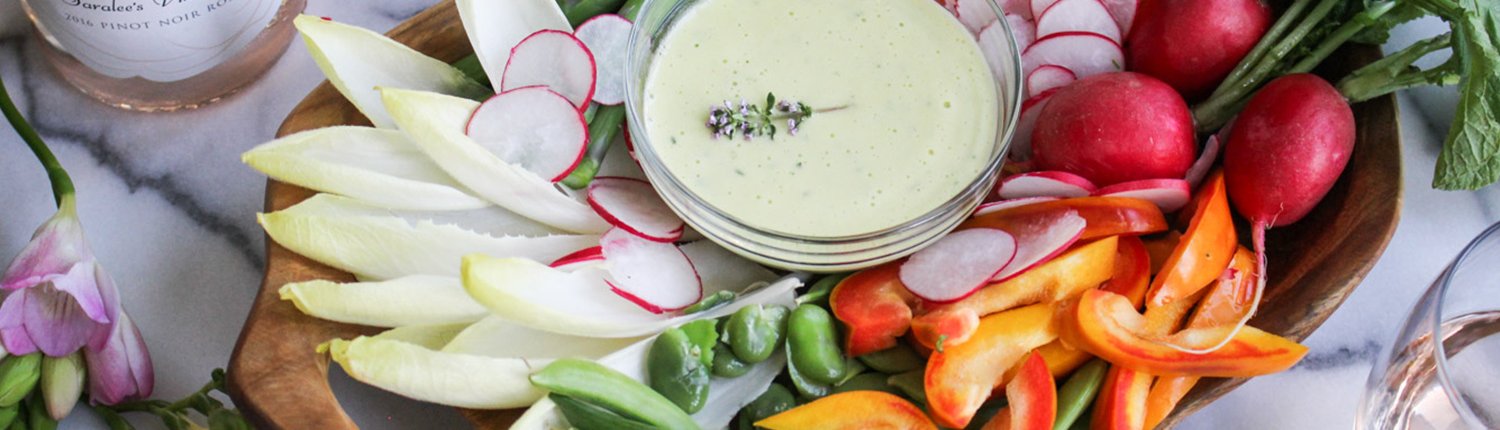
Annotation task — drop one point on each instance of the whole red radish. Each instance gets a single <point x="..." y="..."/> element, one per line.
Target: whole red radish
<point x="1113" y="128"/>
<point x="1194" y="44"/>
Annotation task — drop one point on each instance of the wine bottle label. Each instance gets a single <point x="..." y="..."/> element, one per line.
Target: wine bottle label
<point x="159" y="40"/>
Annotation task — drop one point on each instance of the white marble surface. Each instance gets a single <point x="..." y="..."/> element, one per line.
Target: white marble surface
<point x="170" y="212"/>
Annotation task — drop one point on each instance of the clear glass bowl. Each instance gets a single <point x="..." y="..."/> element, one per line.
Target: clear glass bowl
<point x="800" y="252"/>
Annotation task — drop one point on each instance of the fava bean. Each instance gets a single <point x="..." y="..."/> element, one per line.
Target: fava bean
<point x="704" y="335"/>
<point x="1074" y="396"/>
<point x="775" y="400"/>
<point x="755" y="331"/>
<point x="912" y="384"/>
<point x="868" y="381"/>
<point x="726" y="365"/>
<point x="818" y="293"/>
<point x="813" y="341"/>
<point x="592" y="382"/>
<point x="583" y="415"/>
<point x="896" y="359"/>
<point x="805" y="386"/>
<point x="675" y="369"/>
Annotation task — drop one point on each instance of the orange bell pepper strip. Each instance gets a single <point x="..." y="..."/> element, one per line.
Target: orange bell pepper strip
<point x="852" y="410"/>
<point x="960" y="378"/>
<point x="1105" y="216"/>
<point x="1031" y="399"/>
<point x="1219" y="307"/>
<point x="1132" y="275"/>
<point x="1121" y="404"/>
<point x="1081" y="268"/>
<point x="1104" y="324"/>
<point x="1205" y="248"/>
<point x="874" y="307"/>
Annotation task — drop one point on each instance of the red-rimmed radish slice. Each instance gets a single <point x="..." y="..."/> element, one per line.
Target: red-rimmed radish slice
<point x="1123" y="12"/>
<point x="1205" y="162"/>
<point x="1038" y="241"/>
<point x="534" y="128"/>
<point x="1020" y="145"/>
<point x="1045" y="184"/>
<point x="1022" y="29"/>
<point x="656" y="276"/>
<point x="632" y="205"/>
<point x="992" y="207"/>
<point x="1048" y="77"/>
<point x="1086" y="54"/>
<point x="605" y="36"/>
<point x="555" y="59"/>
<point x="1168" y="194"/>
<point x="586" y="257"/>
<point x="995" y="45"/>
<point x="1040" y="6"/>
<point x="975" y="14"/>
<point x="958" y="264"/>
<point x="1077" y="15"/>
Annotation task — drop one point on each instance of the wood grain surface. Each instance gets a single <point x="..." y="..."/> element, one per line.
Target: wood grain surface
<point x="279" y="382"/>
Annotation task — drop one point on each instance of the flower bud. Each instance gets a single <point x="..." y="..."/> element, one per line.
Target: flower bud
<point x="18" y="376"/>
<point x="62" y="383"/>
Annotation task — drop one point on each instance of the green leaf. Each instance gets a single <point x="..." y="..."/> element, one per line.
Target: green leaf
<point x="1471" y="154"/>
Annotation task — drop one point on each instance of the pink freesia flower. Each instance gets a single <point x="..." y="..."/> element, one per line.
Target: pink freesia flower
<point x="120" y="368"/>
<point x="57" y="298"/>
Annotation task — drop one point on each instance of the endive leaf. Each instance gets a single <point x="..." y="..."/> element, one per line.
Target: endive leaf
<point x="430" y="336"/>
<point x="491" y="220"/>
<point x="496" y="337"/>
<point x="436" y="123"/>
<point x="462" y="380"/>
<point x="404" y="301"/>
<point x="357" y="60"/>
<point x="494" y="27"/>
<point x="388" y="247"/>
<point x="579" y="302"/>
<point x="369" y="164"/>
<point x="725" y="395"/>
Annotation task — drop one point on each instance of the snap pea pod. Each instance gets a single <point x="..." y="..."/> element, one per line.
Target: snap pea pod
<point x="868" y="381"/>
<point x="592" y="382"/>
<point x="588" y="416"/>
<point x="818" y="293"/>
<point x="470" y="67"/>
<point x="1078" y="393"/>
<point x="813" y="339"/>
<point x="775" y="400"/>
<point x="726" y="365"/>
<point x="896" y="359"/>
<point x="711" y="301"/>
<point x="912" y="384"/>
<point x="674" y="369"/>
<point x="755" y="331"/>
<point x="852" y="368"/>
<point x="579" y="11"/>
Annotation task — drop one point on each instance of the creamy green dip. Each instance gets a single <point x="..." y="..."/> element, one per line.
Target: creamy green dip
<point x="918" y="124"/>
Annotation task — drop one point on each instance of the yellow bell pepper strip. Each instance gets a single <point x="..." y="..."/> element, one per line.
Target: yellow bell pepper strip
<point x="1081" y="268"/>
<point x="1031" y="399"/>
<point x="1121" y="404"/>
<point x="1105" y="216"/>
<point x="1205" y="248"/>
<point x="1104" y="324"/>
<point x="874" y="307"/>
<point x="960" y="378"/>
<point x="852" y="410"/>
<point x="1063" y="359"/>
<point x="1132" y="271"/>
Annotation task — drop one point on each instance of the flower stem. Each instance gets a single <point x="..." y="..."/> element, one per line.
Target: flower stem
<point x="62" y="184"/>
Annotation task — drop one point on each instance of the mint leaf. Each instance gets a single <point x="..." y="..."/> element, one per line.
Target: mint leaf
<point x="1471" y="154"/>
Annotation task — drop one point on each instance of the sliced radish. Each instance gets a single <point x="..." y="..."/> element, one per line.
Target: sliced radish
<point x="1077" y="15"/>
<point x="1023" y="29"/>
<point x="587" y="257"/>
<point x="1048" y="77"/>
<point x="992" y="207"/>
<point x="1040" y="6"/>
<point x="958" y="264"/>
<point x="531" y="127"/>
<point x="1040" y="240"/>
<point x="555" y="59"/>
<point x="997" y="49"/>
<point x="656" y="276"/>
<point x="975" y="14"/>
<point x="1123" y="12"/>
<point x="632" y="205"/>
<point x="1205" y="162"/>
<point x="1086" y="54"/>
<point x="605" y="36"/>
<point x="1045" y="184"/>
<point x="1168" y="194"/>
<point x="1020" y="144"/>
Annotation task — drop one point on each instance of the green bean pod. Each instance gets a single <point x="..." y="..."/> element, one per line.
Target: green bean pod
<point x="868" y="381"/>
<point x="755" y="331"/>
<point x="726" y="365"/>
<point x="709" y="302"/>
<point x="675" y="369"/>
<point x="819" y="292"/>
<point x="592" y="382"/>
<point x="775" y="400"/>
<point x="813" y="340"/>
<point x="1074" y="396"/>
<point x="583" y="415"/>
<point x="896" y="359"/>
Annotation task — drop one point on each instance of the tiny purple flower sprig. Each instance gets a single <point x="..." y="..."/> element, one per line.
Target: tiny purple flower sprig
<point x="748" y="120"/>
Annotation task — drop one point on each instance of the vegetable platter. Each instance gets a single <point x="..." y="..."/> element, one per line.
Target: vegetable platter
<point x="278" y="374"/>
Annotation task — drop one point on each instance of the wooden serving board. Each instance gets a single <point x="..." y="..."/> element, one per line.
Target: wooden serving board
<point x="279" y="382"/>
